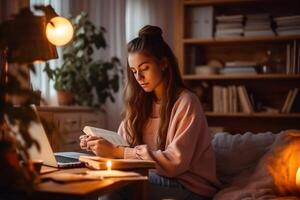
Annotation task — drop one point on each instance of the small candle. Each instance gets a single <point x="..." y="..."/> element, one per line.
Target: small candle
<point x="298" y="178"/>
<point x="108" y="164"/>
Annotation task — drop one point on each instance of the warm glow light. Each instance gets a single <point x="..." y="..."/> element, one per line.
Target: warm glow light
<point x="298" y="178"/>
<point x="38" y="62"/>
<point x="59" y="31"/>
<point x="108" y="164"/>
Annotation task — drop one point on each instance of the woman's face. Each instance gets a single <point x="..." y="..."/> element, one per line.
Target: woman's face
<point x="147" y="71"/>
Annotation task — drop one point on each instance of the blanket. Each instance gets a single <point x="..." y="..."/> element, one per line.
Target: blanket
<point x="274" y="177"/>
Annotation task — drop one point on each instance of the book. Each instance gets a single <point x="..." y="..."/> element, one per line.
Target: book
<point x="261" y="16"/>
<point x="238" y="70"/>
<point x="286" y="102"/>
<point x="230" y="102"/>
<point x="289" y="32"/>
<point x="259" y="33"/>
<point x="238" y="63"/>
<point x="250" y="105"/>
<point x="100" y="174"/>
<point x="292" y="99"/>
<point x="230" y="31"/>
<point x="287" y="19"/>
<point x="202" y="22"/>
<point x="64" y="177"/>
<point x="285" y="28"/>
<point x="215" y="98"/>
<point x="298" y="61"/>
<point x="97" y="162"/>
<point x="108" y="135"/>
<point x="294" y="61"/>
<point x="235" y="99"/>
<point x="288" y="59"/>
<point x="225" y="99"/>
<point x="228" y="26"/>
<point x="230" y="18"/>
<point x="244" y="99"/>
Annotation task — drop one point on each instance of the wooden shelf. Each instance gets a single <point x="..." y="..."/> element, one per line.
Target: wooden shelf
<point x="254" y="115"/>
<point x="219" y="2"/>
<point x="240" y="77"/>
<point x="241" y="39"/>
<point x="228" y="2"/>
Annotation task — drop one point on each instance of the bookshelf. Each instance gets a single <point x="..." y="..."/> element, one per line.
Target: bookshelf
<point x="240" y="39"/>
<point x="267" y="88"/>
<point x="255" y="115"/>
<point x="241" y="76"/>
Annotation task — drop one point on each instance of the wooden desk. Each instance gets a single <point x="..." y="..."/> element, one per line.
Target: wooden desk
<point x="86" y="190"/>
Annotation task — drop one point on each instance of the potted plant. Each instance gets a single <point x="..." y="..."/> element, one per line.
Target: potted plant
<point x="17" y="177"/>
<point x="90" y="81"/>
<point x="17" y="174"/>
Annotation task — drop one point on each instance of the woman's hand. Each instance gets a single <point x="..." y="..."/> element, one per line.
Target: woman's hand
<point x="101" y="147"/>
<point x="84" y="139"/>
<point x="82" y="142"/>
<point x="143" y="153"/>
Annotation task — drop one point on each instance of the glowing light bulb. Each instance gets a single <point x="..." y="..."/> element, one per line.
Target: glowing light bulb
<point x="38" y="62"/>
<point x="108" y="164"/>
<point x="59" y="31"/>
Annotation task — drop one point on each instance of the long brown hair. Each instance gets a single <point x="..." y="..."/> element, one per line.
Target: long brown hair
<point x="138" y="103"/>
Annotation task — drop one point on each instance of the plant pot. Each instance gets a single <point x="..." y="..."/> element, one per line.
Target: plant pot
<point x="65" y="97"/>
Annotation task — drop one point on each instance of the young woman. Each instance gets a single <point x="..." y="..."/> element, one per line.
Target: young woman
<point x="163" y="121"/>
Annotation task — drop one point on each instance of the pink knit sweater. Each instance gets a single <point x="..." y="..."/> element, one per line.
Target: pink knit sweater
<point x="188" y="154"/>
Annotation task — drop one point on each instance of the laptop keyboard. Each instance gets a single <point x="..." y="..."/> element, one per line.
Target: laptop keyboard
<point x="63" y="159"/>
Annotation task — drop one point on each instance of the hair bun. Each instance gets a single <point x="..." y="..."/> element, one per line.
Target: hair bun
<point x="151" y="31"/>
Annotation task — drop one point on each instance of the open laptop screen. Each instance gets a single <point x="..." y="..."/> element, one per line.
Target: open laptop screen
<point x="46" y="153"/>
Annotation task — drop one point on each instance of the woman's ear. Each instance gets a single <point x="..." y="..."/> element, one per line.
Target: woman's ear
<point x="164" y="64"/>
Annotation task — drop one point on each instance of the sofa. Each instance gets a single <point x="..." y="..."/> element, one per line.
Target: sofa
<point x="257" y="166"/>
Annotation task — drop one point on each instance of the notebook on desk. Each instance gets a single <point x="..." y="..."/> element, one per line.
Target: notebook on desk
<point x="59" y="159"/>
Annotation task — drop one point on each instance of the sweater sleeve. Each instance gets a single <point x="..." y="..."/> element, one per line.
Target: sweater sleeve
<point x="138" y="152"/>
<point x="129" y="153"/>
<point x="186" y="126"/>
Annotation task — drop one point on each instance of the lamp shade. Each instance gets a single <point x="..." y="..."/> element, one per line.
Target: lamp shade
<point x="59" y="31"/>
<point x="27" y="40"/>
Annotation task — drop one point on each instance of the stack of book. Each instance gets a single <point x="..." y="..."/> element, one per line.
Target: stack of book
<point x="239" y="67"/>
<point x="231" y="99"/>
<point x="229" y="26"/>
<point x="97" y="162"/>
<point x="288" y="25"/>
<point x="225" y="99"/>
<point x="258" y="25"/>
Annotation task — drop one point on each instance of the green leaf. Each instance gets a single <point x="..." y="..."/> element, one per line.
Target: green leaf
<point x="80" y="53"/>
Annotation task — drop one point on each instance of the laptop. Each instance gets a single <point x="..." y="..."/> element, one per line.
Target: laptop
<point x="59" y="159"/>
